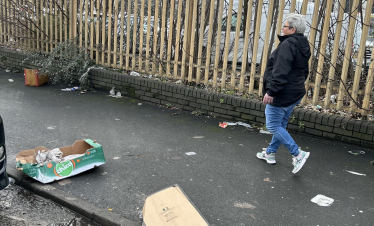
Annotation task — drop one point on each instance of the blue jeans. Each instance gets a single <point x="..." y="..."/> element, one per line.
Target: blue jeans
<point x="276" y="123"/>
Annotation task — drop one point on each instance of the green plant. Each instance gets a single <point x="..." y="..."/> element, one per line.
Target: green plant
<point x="66" y="63"/>
<point x="168" y="106"/>
<point x="264" y="127"/>
<point x="292" y="118"/>
<point x="3" y="58"/>
<point x="221" y="100"/>
<point x="197" y="113"/>
<point x="301" y="125"/>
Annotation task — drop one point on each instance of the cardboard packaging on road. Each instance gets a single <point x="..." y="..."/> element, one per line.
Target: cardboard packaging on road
<point x="90" y="155"/>
<point x="32" y="78"/>
<point x="171" y="207"/>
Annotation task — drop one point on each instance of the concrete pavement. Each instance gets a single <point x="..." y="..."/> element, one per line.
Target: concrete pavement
<point x="145" y="148"/>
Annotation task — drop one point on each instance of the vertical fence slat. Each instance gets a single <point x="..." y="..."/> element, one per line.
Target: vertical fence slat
<point x="185" y="39"/>
<point x="51" y="31"/>
<point x="322" y="51"/>
<point x="192" y="38"/>
<point x="128" y="20"/>
<point x="266" y="46"/>
<point x="246" y="45"/>
<point x="81" y="22"/>
<point x="201" y="37"/>
<point x="334" y="56"/>
<point x="237" y="34"/>
<point x="149" y="15"/>
<point x="209" y="44"/>
<point x="280" y="22"/>
<point x="92" y="28"/>
<point x="227" y="45"/>
<point x="115" y="51"/>
<point x="293" y="6"/>
<point x="360" y="57"/>
<point x="155" y="30"/>
<point x="65" y="20"/>
<point x="134" y="34"/>
<point x="1" y="21"/>
<point x="37" y="9"/>
<point x="97" y="30"/>
<point x="304" y="8"/>
<point x="86" y="25"/>
<point x="348" y="50"/>
<point x="109" y="49"/>
<point x="312" y="37"/>
<point x="56" y="20"/>
<point x="368" y="87"/>
<point x="177" y="44"/>
<point x="47" y="35"/>
<point x="103" y="35"/>
<point x="141" y="36"/>
<point x="61" y="2"/>
<point x="121" y="34"/>
<point x="164" y="4"/>
<point x="218" y="44"/>
<point x="255" y="47"/>
<point x="170" y="37"/>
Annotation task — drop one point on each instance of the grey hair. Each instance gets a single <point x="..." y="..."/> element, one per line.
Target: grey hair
<point x="296" y="21"/>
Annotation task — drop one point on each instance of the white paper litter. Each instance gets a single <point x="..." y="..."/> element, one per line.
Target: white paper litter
<point x="360" y="174"/>
<point x="11" y="80"/>
<point x="264" y="132"/>
<point x="198" y="137"/>
<point x="322" y="200"/>
<point x="112" y="92"/>
<point x="54" y="155"/>
<point x="133" y="73"/>
<point x="238" y="123"/>
<point x="190" y="153"/>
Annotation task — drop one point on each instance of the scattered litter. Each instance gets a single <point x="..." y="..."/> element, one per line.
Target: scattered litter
<point x="140" y="213"/>
<point x="83" y="91"/>
<point x="322" y="200"/>
<point x="60" y="163"/>
<point x="133" y="73"/>
<point x="318" y="107"/>
<point x="360" y="174"/>
<point x="198" y="137"/>
<point x="244" y="205"/>
<point x="178" y="82"/>
<point x="309" y="93"/>
<point x="332" y="99"/>
<point x="7" y="70"/>
<point x="264" y="132"/>
<point x="139" y="104"/>
<point x="116" y="157"/>
<point x="117" y="119"/>
<point x="171" y="206"/>
<point x="267" y="179"/>
<point x="71" y="89"/>
<point x="356" y="152"/>
<point x="190" y="153"/>
<point x="112" y="92"/>
<point x="118" y="95"/>
<point x="105" y="173"/>
<point x="225" y="124"/>
<point x="244" y="124"/>
<point x="110" y="209"/>
<point x="222" y="124"/>
<point x="51" y="127"/>
<point x="11" y="80"/>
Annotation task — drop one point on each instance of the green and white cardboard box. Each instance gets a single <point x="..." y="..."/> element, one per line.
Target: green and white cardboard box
<point x="92" y="155"/>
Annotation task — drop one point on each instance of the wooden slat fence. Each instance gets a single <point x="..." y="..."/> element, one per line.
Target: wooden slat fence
<point x="222" y="44"/>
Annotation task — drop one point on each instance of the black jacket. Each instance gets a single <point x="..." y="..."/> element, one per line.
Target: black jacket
<point x="287" y="69"/>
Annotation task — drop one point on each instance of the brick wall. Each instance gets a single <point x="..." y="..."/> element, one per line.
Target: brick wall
<point x="227" y="107"/>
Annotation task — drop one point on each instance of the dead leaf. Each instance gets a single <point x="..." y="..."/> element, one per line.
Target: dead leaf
<point x="244" y="205"/>
<point x="176" y="158"/>
<point x="105" y="173"/>
<point x="116" y="158"/>
<point x="117" y="119"/>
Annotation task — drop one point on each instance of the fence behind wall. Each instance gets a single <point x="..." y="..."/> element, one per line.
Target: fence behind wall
<point x="223" y="44"/>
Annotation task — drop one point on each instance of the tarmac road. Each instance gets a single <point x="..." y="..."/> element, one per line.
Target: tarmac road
<point x="145" y="148"/>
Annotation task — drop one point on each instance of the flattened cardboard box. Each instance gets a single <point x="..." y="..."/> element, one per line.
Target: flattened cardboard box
<point x="93" y="156"/>
<point x="171" y="207"/>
